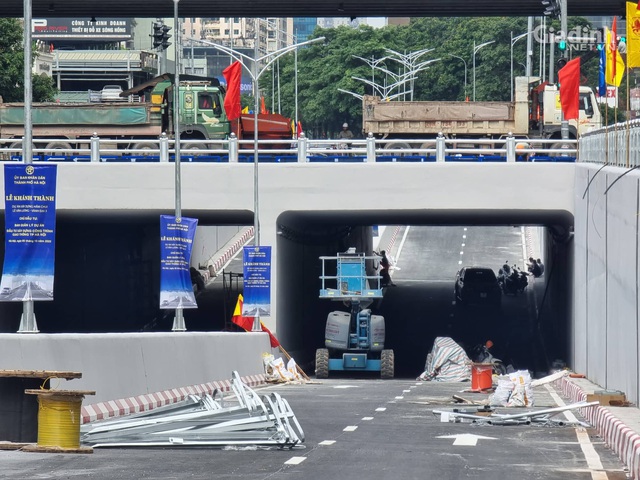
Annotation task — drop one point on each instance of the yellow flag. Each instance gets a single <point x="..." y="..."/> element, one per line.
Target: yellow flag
<point x="608" y="76"/>
<point x="245" y="110"/>
<point x="633" y="35"/>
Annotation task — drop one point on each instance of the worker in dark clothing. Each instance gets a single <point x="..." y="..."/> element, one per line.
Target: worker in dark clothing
<point x="385" y="267"/>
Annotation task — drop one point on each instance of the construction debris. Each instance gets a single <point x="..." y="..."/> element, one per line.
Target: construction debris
<point x="541" y="417"/>
<point x="203" y="421"/>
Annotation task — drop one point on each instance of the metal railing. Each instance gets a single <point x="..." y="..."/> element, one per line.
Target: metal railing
<point x="301" y="150"/>
<point x="614" y="145"/>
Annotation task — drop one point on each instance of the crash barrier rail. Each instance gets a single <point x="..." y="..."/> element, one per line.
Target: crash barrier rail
<point x="204" y="421"/>
<point x="301" y="150"/>
<point x="614" y="145"/>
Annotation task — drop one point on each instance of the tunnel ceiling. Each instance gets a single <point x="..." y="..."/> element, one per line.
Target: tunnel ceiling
<point x="301" y="8"/>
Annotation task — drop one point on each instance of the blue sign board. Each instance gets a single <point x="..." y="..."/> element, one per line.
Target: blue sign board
<point x="30" y="231"/>
<point x="176" y="242"/>
<point x="256" y="281"/>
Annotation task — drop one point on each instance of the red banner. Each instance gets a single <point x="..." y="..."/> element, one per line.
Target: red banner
<point x="233" y="74"/>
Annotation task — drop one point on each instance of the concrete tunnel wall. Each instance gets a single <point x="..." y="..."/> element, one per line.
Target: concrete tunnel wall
<point x="447" y="192"/>
<point x="605" y="330"/>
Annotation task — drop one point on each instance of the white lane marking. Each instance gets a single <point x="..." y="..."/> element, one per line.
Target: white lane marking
<point x="404" y="238"/>
<point x="466" y="439"/>
<point x="350" y="428"/>
<point x="461" y="253"/>
<point x="381" y="409"/>
<point x="463" y="244"/>
<point x="327" y="442"/>
<point x="459" y="262"/>
<point x="399" y="397"/>
<point x="295" y="460"/>
<point x="345" y="386"/>
<point x="465" y="229"/>
<point x="464" y="236"/>
<point x="588" y="450"/>
<point x="367" y="418"/>
<point x="406" y="391"/>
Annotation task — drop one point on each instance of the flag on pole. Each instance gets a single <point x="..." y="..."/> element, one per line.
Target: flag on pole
<point x="263" y="108"/>
<point x="246" y="323"/>
<point x="299" y="128"/>
<point x="614" y="46"/>
<point x="633" y="35"/>
<point x="232" y="74"/>
<point x="613" y="75"/>
<point x="602" y="84"/>
<point x="569" y="77"/>
<point x="245" y="110"/>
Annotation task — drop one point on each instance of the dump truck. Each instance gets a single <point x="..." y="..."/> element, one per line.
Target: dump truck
<point x="535" y="114"/>
<point x="58" y="126"/>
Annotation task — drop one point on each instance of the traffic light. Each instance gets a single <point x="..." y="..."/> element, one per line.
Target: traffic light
<point x="165" y="37"/>
<point x="561" y="63"/>
<point x="158" y="34"/>
<point x="562" y="45"/>
<point x="551" y="8"/>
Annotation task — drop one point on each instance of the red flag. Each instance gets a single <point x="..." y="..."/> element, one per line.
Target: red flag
<point x="263" y="108"/>
<point x="569" y="77"/>
<point x="272" y="338"/>
<point x="246" y="323"/>
<point x="614" y="45"/>
<point x="299" y="131"/>
<point x="232" y="75"/>
<point x="243" y="322"/>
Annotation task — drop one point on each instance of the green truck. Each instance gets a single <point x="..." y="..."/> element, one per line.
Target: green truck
<point x="138" y="125"/>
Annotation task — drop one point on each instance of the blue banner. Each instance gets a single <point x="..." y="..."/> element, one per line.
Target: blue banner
<point x="256" y="281"/>
<point x="176" y="242"/>
<point x="30" y="232"/>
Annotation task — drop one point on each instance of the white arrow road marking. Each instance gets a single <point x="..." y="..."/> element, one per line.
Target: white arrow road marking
<point x="295" y="460"/>
<point x="466" y="439"/>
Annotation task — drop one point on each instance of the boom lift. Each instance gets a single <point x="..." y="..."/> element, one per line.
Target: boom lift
<point x="354" y="340"/>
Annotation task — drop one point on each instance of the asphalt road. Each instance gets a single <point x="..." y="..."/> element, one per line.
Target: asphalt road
<point x="357" y="428"/>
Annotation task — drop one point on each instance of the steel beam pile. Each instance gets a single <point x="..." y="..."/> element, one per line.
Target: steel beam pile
<point x="203" y="421"/>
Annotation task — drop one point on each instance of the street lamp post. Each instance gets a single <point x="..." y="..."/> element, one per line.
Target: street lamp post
<point x="475" y="50"/>
<point x="178" y="321"/>
<point x="465" y="73"/>
<point x="513" y="42"/>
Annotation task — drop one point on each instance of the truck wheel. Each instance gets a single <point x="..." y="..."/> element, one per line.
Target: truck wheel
<point x="387" y="362"/>
<point x="195" y="146"/>
<point x="144" y="148"/>
<point x="398" y="146"/>
<point x="322" y="363"/>
<point x="51" y="148"/>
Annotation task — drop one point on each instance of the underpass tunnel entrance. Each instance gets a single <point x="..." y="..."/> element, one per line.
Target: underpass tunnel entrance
<point x="529" y="330"/>
<point x="107" y="275"/>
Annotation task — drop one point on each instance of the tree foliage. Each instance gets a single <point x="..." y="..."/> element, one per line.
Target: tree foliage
<point x="12" y="66"/>
<point x="325" y="67"/>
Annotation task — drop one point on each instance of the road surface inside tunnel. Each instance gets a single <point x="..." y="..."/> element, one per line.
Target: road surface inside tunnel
<point x="422" y="306"/>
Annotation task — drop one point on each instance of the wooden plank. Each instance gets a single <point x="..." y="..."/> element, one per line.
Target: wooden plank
<point x="40" y="374"/>
<point x="52" y="449"/>
<point x="59" y="393"/>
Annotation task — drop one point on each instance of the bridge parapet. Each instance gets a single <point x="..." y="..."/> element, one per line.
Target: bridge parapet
<point x="613" y="145"/>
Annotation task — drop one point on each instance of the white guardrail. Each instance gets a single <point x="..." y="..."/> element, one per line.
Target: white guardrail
<point x="301" y="150"/>
<point x="614" y="145"/>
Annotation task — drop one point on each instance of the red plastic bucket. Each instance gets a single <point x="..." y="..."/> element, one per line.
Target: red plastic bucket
<point x="481" y="376"/>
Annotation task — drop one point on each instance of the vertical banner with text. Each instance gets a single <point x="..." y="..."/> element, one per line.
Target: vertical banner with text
<point x="176" y="242"/>
<point x="256" y="281"/>
<point x="30" y="231"/>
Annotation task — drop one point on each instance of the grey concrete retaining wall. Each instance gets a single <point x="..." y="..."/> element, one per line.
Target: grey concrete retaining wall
<point x="605" y="333"/>
<point x="120" y="365"/>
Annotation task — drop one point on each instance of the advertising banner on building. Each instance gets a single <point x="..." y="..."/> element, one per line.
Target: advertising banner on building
<point x="30" y="229"/>
<point x="176" y="242"/>
<point x="256" y="281"/>
<point x="81" y="29"/>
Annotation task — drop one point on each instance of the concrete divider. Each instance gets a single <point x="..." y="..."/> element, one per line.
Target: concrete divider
<point x="140" y="369"/>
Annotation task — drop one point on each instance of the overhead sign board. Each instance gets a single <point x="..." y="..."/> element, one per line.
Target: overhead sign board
<point x="81" y="28"/>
